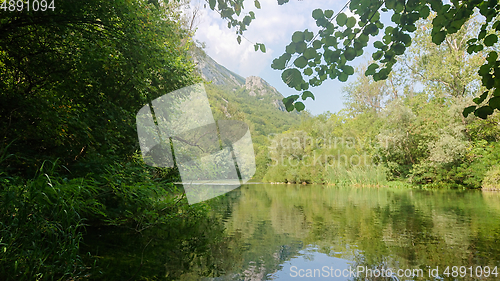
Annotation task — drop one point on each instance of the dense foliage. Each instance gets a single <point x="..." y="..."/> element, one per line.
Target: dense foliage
<point x="74" y="78"/>
<point x="72" y="81"/>
<point x="78" y="202"/>
<point x="409" y="127"/>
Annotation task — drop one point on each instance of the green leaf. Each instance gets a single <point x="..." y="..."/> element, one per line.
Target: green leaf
<point x="239" y="39"/>
<point x="317" y="44"/>
<point x="297" y="37"/>
<point x="343" y="77"/>
<point x="371" y="69"/>
<point x="278" y="63"/>
<point x="484" y="70"/>
<point x="377" y="55"/>
<point x="300" y="62"/>
<point x="308" y="35"/>
<point x="396" y="18"/>
<point x="363" y="38"/>
<point x="375" y="17"/>
<point x="496" y="93"/>
<point x="299" y="106"/>
<point x="212" y="4"/>
<point x="292" y="77"/>
<point x="378" y="45"/>
<point x="347" y="69"/>
<point x="308" y="71"/>
<point x="237" y="9"/>
<point x="438" y="37"/>
<point x="341" y="19"/>
<point x="247" y="20"/>
<point x="471" y="49"/>
<point x="307" y="94"/>
<point x="490" y="40"/>
<point x="390" y="4"/>
<point x="263" y="48"/>
<point x="425" y="12"/>
<point x="483" y="112"/>
<point x="405" y="38"/>
<point x="468" y="110"/>
<point x="410" y="27"/>
<point x="288" y="101"/>
<point x="492" y="57"/>
<point x="482" y="34"/>
<point x="399" y="49"/>
<point x="399" y="7"/>
<point x="488" y="81"/>
<point x="256" y="2"/>
<point x="481" y="98"/>
<point x="290" y="49"/>
<point x="351" y="22"/>
<point x="349" y="54"/>
<point x="371" y="29"/>
<point x="328" y="13"/>
<point x="494" y="102"/>
<point x="317" y="14"/>
<point x="300" y="47"/>
<point x="310" y="53"/>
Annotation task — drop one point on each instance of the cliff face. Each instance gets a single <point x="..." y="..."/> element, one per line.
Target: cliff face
<point x="258" y="86"/>
<point x="210" y="70"/>
<point x="254" y="86"/>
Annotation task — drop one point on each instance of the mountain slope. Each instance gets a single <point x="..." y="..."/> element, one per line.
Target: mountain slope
<point x="251" y="100"/>
<point x="210" y="70"/>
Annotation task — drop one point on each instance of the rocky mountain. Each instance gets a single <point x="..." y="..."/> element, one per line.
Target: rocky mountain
<point x="254" y="86"/>
<point x="257" y="86"/>
<point x="210" y="70"/>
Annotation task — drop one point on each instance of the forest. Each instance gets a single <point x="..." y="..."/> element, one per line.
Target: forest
<point x="408" y="129"/>
<point x="73" y="182"/>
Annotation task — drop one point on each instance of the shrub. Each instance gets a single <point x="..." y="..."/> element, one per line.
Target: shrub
<point x="491" y="180"/>
<point x="40" y="228"/>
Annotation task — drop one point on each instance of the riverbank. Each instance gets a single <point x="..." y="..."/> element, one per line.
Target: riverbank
<point x="52" y="227"/>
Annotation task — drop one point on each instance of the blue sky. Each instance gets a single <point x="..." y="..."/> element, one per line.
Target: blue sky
<point x="273" y="26"/>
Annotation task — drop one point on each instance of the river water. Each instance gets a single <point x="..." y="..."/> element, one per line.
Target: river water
<point x="317" y="232"/>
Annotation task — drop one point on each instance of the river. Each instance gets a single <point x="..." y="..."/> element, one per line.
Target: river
<point x="309" y="232"/>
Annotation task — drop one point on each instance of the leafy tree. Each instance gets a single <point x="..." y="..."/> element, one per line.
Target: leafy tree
<point x="74" y="78"/>
<point x="312" y="58"/>
<point x="365" y="95"/>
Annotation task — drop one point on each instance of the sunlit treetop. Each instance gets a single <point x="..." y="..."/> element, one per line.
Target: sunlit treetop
<point x="311" y="58"/>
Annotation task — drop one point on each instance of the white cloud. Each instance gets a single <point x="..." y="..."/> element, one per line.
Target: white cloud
<point x="273" y="26"/>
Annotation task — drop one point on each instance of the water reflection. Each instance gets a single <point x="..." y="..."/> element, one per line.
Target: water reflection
<point x="276" y="230"/>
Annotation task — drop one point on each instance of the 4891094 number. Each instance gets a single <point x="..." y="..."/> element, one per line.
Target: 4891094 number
<point x="478" y="272"/>
<point x="28" y="5"/>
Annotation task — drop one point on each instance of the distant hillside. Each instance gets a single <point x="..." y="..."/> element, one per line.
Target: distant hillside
<point x="252" y="100"/>
<point x="219" y="75"/>
<point x="210" y="70"/>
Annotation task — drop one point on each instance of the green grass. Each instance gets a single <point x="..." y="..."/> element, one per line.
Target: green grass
<point x="357" y="175"/>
